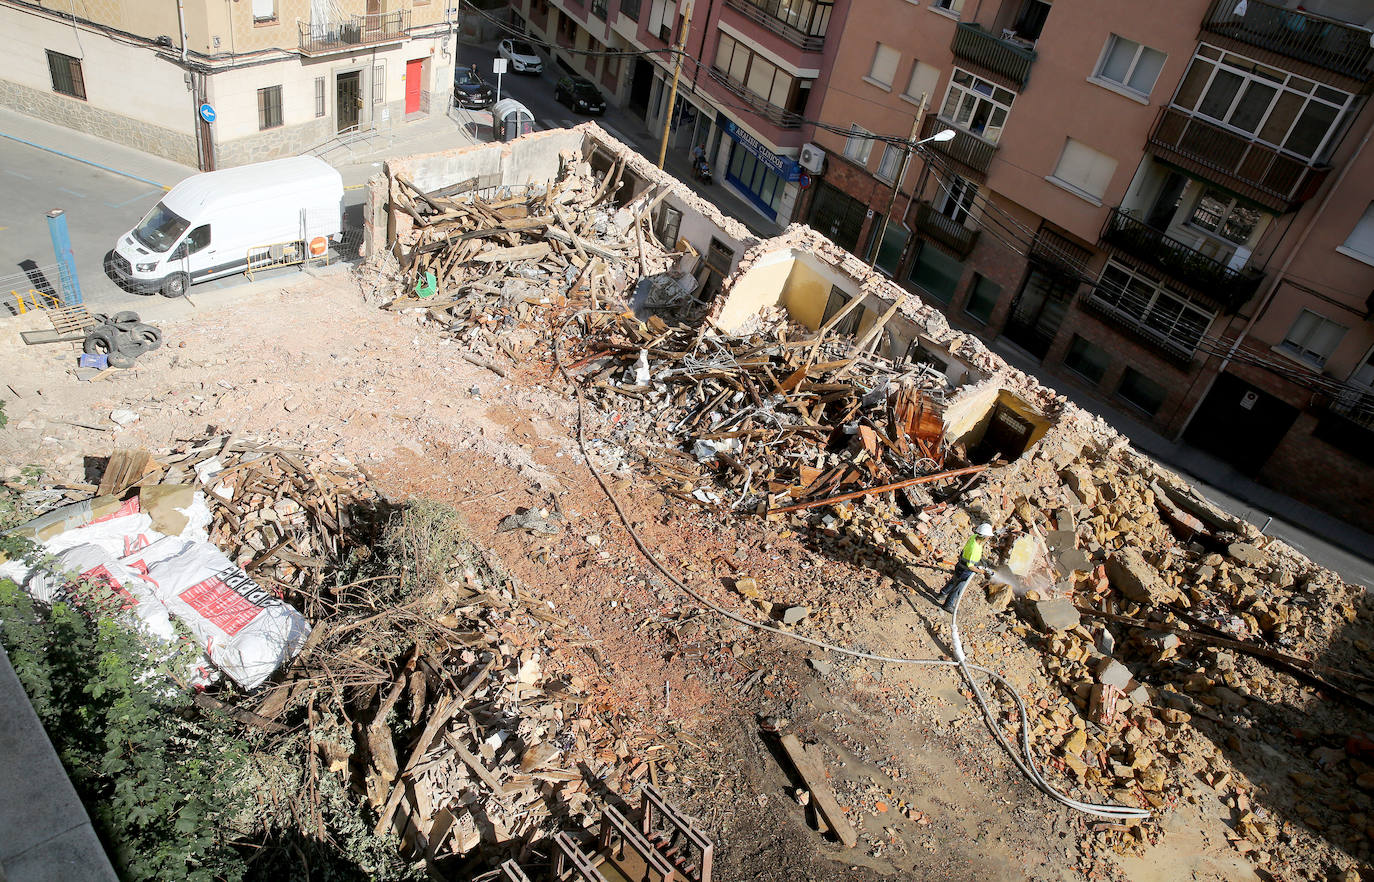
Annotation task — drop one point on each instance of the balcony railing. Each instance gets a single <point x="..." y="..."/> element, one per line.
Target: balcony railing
<point x="1274" y="179"/>
<point x="351" y="32"/>
<point x="1206" y="276"/>
<point x="801" y="24"/>
<point x="1355" y="403"/>
<point x="945" y="230"/>
<point x="989" y="51"/>
<point x="776" y="115"/>
<point x="1116" y="308"/>
<point x="964" y="147"/>
<point x="1329" y="44"/>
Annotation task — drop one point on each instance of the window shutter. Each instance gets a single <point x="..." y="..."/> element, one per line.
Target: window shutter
<point x="885" y="60"/>
<point x="1361" y="238"/>
<point x="1085" y="168"/>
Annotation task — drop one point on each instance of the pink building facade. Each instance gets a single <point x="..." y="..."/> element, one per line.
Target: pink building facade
<point x="1172" y="213"/>
<point x="753" y="73"/>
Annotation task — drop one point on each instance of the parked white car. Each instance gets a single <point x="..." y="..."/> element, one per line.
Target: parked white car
<point x="521" y="55"/>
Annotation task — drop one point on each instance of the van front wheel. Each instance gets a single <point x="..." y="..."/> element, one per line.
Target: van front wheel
<point x="175" y="285"/>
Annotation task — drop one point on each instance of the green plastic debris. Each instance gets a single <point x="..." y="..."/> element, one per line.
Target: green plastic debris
<point x="427" y="286"/>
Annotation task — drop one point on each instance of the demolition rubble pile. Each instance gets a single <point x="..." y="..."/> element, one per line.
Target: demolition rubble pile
<point x="482" y="264"/>
<point x="430" y="682"/>
<point x="762" y="422"/>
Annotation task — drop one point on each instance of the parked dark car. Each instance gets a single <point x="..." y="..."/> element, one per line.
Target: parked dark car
<point x="470" y="90"/>
<point x="579" y="94"/>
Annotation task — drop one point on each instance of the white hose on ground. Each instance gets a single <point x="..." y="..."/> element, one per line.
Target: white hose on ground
<point x="1025" y="762"/>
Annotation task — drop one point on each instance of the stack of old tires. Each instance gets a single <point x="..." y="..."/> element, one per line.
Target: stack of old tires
<point x="121" y="338"/>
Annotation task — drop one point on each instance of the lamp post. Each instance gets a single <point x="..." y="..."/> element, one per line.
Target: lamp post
<point x="940" y="136"/>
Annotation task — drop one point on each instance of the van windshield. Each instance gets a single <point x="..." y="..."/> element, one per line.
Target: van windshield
<point x="161" y="229"/>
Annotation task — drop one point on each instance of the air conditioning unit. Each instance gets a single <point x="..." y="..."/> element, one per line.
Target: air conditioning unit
<point x="812" y="158"/>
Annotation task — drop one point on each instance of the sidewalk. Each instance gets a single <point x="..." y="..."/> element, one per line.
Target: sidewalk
<point x="1326" y="540"/>
<point x="47" y="836"/>
<point x="111" y="157"/>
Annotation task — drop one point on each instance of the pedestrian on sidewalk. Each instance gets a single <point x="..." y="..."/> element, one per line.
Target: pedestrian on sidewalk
<point x="970" y="561"/>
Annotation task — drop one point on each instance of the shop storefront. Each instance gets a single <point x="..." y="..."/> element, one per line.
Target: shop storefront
<point x="760" y="175"/>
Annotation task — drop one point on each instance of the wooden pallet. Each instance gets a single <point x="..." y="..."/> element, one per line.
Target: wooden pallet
<point x="69" y="325"/>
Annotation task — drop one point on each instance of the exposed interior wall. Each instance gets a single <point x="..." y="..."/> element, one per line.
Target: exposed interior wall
<point x="765" y="283"/>
<point x="968" y="415"/>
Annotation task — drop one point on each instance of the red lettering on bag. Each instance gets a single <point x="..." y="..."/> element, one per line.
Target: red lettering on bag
<point x="219" y="603"/>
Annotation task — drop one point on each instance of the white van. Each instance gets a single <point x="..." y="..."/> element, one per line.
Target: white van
<point x="206" y="226"/>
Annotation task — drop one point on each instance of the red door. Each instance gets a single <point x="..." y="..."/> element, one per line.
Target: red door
<point x="414" y="79"/>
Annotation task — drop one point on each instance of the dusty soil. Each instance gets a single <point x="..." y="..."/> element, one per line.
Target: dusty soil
<point x="931" y="793"/>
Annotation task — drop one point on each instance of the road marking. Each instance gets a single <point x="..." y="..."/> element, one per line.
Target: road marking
<point x="143" y="195"/>
<point x="72" y="192"/>
<point x="79" y="159"/>
<point x="10" y="171"/>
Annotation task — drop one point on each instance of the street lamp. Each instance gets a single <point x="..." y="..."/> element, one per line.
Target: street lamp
<point x="938" y="137"/>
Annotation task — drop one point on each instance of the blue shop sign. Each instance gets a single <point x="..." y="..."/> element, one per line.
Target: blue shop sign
<point x="784" y="167"/>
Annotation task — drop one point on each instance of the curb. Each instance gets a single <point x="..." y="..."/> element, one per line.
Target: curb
<point x="87" y="162"/>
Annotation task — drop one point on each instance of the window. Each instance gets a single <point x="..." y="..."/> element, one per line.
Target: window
<point x="922" y="81"/>
<point x="1272" y="106"/>
<point x="982" y="298"/>
<point x="630" y="9"/>
<point x="1221" y="213"/>
<point x="379" y="83"/>
<point x="1360" y="243"/>
<point x="66" y="75"/>
<point x="269" y="107"/>
<point x="197" y="238"/>
<point x="837" y="301"/>
<point x="977" y="106"/>
<point x="956" y="198"/>
<point x="1313" y="338"/>
<point x="1084" y="170"/>
<point x="954" y="6"/>
<point x="1088" y="360"/>
<point x="1141" y="391"/>
<point x="264" y="11"/>
<point x="1031" y="21"/>
<point x="320" y="108"/>
<point x="891" y="164"/>
<point x="858" y="145"/>
<point x="935" y="273"/>
<point x="1131" y="65"/>
<point x="1164" y="315"/>
<point x="884" y="69"/>
<point x="599" y="9"/>
<point x="753" y="72"/>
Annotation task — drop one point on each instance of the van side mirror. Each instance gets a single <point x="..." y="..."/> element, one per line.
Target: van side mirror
<point x="180" y="252"/>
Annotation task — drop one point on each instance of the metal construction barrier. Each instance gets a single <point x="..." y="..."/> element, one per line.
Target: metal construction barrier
<point x="279" y="254"/>
<point x="34" y="299"/>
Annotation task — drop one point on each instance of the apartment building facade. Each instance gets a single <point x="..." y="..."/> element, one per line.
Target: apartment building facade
<point x="752" y="75"/>
<point x="217" y="83"/>
<point x="1172" y="212"/>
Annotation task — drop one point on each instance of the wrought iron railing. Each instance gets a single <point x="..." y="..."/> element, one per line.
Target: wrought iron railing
<point x="1355" y="403"/>
<point x="800" y="23"/>
<point x="352" y="31"/>
<point x="1325" y="42"/>
<point x="773" y="113"/>
<point x="1210" y="278"/>
<point x="964" y="147"/>
<point x="1130" y="314"/>
<point x="945" y="230"/>
<point x="1271" y="177"/>
<point x="987" y="50"/>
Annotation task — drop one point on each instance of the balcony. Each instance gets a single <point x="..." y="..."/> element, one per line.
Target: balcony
<point x="804" y="29"/>
<point x="1279" y="181"/>
<point x="353" y="32"/>
<point x="945" y="230"/>
<point x="1005" y="58"/>
<point x="1324" y="42"/>
<point x="1354" y="403"/>
<point x="776" y="115"/>
<point x="1117" y="308"/>
<point x="965" y="148"/>
<point x="1205" y="276"/>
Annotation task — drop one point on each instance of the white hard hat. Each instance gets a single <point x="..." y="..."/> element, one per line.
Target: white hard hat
<point x="985" y="529"/>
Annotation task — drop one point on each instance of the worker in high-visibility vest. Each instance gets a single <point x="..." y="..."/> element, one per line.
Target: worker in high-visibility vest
<point x="970" y="561"/>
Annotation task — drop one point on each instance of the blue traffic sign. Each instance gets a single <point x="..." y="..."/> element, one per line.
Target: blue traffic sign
<point x="207" y="113"/>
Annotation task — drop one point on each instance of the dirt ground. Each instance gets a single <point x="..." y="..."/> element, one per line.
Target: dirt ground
<point x="932" y="794"/>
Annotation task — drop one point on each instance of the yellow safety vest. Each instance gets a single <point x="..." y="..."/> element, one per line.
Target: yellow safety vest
<point x="973" y="551"/>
